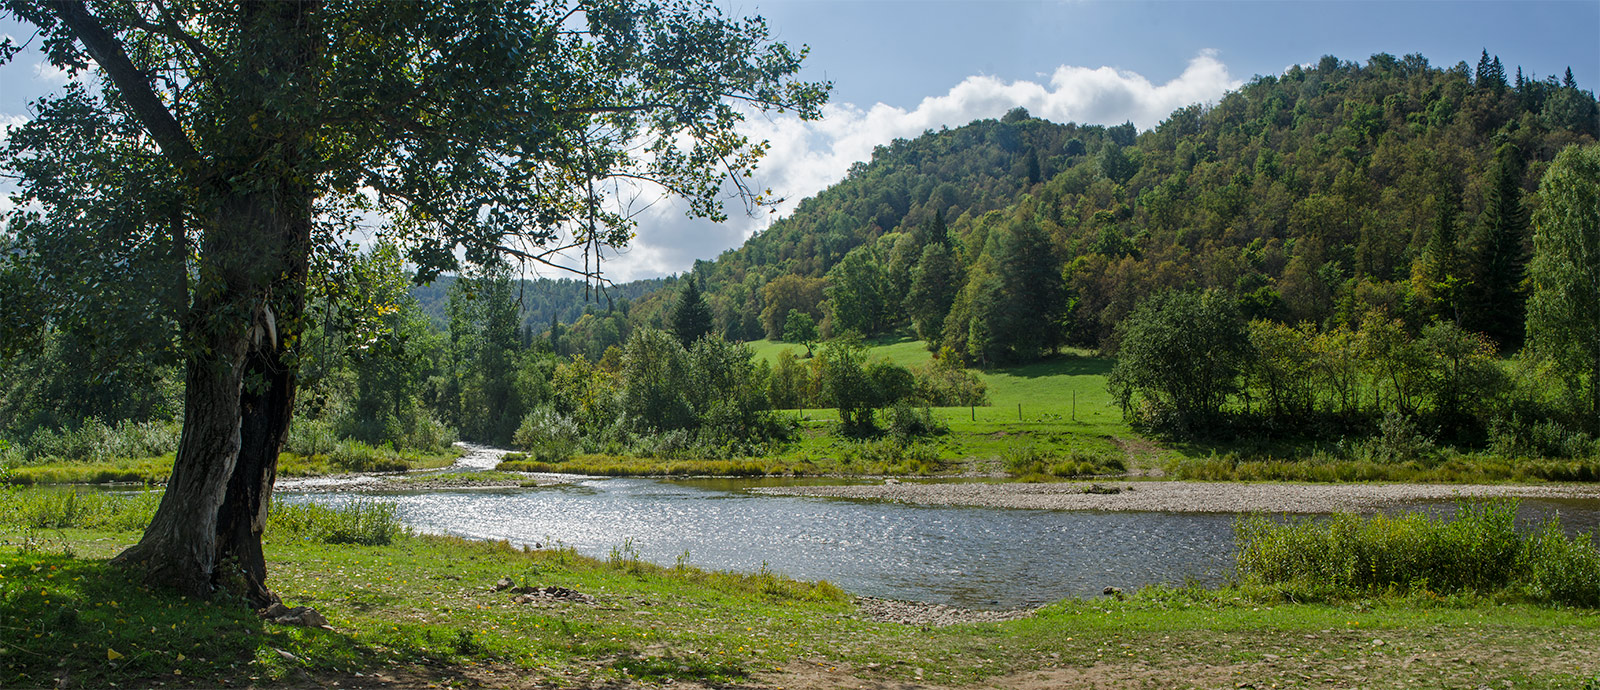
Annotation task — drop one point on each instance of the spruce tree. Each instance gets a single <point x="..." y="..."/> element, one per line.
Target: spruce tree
<point x="934" y="284"/>
<point x="1499" y="257"/>
<point x="1439" y="273"/>
<point x="691" y="316"/>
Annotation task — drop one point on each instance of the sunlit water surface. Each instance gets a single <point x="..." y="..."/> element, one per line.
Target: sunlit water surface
<point x="972" y="557"/>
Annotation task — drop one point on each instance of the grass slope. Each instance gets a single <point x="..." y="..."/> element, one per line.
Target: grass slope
<point x="1059" y="408"/>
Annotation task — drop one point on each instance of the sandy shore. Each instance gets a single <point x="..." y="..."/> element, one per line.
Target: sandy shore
<point x="1182" y="497"/>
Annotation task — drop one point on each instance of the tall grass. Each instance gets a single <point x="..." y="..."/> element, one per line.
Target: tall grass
<point x="60" y="509"/>
<point x="365" y="522"/>
<point x="1479" y="549"/>
<point x="361" y="521"/>
<point x="94" y="441"/>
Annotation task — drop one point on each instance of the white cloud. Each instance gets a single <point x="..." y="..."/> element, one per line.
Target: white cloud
<point x="806" y="157"/>
<point x="50" y="74"/>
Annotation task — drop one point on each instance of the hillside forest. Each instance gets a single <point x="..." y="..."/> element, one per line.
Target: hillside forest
<point x="1376" y="249"/>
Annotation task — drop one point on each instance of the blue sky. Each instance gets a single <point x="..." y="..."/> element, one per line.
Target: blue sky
<point x="904" y="66"/>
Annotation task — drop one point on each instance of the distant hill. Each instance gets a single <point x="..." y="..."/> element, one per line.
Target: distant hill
<point x="543" y="298"/>
<point x="1311" y="196"/>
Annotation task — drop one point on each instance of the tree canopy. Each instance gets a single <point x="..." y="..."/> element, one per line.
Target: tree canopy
<point x="232" y="146"/>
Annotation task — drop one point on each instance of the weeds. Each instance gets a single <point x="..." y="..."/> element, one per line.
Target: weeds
<point x="361" y="521"/>
<point x="1479" y="549"/>
<point x="57" y="509"/>
<point x="1028" y="462"/>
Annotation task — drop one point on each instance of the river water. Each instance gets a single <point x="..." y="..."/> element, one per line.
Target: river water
<point x="969" y="557"/>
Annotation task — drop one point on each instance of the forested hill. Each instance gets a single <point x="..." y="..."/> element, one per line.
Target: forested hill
<point x="542" y="299"/>
<point x="1311" y="196"/>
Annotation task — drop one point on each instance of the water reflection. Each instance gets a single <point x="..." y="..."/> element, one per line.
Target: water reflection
<point x="973" y="557"/>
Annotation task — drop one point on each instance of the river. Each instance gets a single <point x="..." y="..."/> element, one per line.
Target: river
<point x="960" y="556"/>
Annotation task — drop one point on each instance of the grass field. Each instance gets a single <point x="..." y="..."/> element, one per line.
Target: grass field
<point x="421" y="611"/>
<point x="1058" y="407"/>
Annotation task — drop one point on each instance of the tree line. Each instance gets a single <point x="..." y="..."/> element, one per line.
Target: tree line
<point x="1192" y="363"/>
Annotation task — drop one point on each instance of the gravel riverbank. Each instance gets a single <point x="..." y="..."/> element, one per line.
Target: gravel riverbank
<point x="1181" y="497"/>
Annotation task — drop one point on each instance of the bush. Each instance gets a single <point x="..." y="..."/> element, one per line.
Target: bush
<point x="1516" y="438"/>
<point x="1561" y="569"/>
<point x="943" y="383"/>
<point x="96" y="441"/>
<point x="1398" y="441"/>
<point x="547" y="435"/>
<point x="310" y="437"/>
<point x="906" y="421"/>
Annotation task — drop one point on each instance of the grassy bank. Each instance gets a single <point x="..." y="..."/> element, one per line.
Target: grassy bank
<point x="421" y="610"/>
<point x="346" y="457"/>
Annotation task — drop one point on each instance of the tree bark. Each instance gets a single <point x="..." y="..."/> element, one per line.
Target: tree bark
<point x="266" y="410"/>
<point x="179" y="546"/>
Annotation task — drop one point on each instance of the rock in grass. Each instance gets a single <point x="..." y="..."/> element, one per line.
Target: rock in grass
<point x="304" y="616"/>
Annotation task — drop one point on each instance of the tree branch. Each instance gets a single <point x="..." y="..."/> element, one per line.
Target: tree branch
<point x="129" y="79"/>
<point x="170" y="28"/>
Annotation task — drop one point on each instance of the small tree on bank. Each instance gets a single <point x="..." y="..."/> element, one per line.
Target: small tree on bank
<point x="1182" y="352"/>
<point x="799" y="327"/>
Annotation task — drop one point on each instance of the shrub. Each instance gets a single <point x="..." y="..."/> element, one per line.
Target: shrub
<point x="547" y="435"/>
<point x="96" y="441"/>
<point x="1398" y="441"/>
<point x="1516" y="438"/>
<point x="1561" y="569"/>
<point x="907" y="421"/>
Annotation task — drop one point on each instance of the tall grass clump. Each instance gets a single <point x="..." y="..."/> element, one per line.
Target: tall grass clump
<point x="364" y="522"/>
<point x="1029" y="462"/>
<point x="97" y="441"/>
<point x="1479" y="549"/>
<point x="56" y="509"/>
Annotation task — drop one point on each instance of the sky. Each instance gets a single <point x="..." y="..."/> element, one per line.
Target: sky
<point x="901" y="67"/>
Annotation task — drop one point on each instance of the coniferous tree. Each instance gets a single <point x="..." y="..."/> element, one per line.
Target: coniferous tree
<point x="691" y="316"/>
<point x="934" y="284"/>
<point x="1439" y="271"/>
<point x="1499" y="257"/>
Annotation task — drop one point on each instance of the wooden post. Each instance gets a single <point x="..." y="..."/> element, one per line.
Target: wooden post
<point x="1074" y="406"/>
<point x="1019" y="412"/>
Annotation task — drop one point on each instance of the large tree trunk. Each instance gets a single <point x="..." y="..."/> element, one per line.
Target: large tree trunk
<point x="179" y="546"/>
<point x="266" y="410"/>
<point x="238" y="396"/>
<point x="249" y="294"/>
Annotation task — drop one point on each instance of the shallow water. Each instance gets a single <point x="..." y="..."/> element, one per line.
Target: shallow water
<point x="974" y="557"/>
<point x="971" y="557"/>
